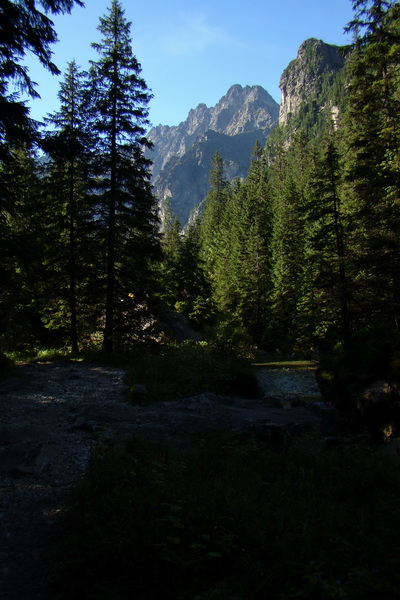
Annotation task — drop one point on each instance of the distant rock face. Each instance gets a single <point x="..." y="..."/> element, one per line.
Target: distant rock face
<point x="316" y="64"/>
<point x="182" y="154"/>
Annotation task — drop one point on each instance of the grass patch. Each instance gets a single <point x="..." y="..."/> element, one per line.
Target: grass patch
<point x="286" y="364"/>
<point x="56" y="354"/>
<point x="39" y="354"/>
<point x="233" y="523"/>
<point x="177" y="371"/>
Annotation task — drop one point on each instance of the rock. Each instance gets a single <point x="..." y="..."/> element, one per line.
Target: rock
<point x="378" y="407"/>
<point x="377" y="393"/>
<point x="176" y="326"/>
<point x="316" y="65"/>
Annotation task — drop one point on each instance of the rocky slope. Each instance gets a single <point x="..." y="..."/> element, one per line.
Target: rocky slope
<point x="308" y="78"/>
<point x="182" y="154"/>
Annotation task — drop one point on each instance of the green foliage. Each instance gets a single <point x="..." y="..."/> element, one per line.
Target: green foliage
<point x="127" y="209"/>
<point x="71" y="256"/>
<point x="371" y="141"/>
<point x="237" y="522"/>
<point x="183" y="285"/>
<point x="25" y="29"/>
<point x="303" y="251"/>
<point x="179" y="371"/>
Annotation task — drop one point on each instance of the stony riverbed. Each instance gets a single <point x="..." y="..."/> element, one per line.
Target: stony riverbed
<point x="51" y="414"/>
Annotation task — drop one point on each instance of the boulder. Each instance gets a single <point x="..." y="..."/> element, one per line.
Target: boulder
<point x="378" y="407"/>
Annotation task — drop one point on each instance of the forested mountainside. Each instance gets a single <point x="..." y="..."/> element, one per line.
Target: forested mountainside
<point x="304" y="250"/>
<point x="182" y="155"/>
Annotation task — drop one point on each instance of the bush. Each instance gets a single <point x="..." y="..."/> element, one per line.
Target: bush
<point x="226" y="522"/>
<point x="177" y="371"/>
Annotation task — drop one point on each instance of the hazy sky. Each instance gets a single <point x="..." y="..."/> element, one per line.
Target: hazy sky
<point x="193" y="52"/>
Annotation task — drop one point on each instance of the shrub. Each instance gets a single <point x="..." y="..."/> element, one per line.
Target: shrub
<point x="177" y="371"/>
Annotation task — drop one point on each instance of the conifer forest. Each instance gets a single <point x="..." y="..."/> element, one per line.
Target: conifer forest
<point x="141" y="465"/>
<point x="301" y="255"/>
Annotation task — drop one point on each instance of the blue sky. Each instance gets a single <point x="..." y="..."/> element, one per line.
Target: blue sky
<point x="193" y="52"/>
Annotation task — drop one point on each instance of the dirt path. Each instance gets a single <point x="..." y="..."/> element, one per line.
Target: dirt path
<point x="50" y="417"/>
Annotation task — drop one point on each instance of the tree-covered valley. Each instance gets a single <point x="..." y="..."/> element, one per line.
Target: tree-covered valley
<point x="299" y="254"/>
<point x="298" y="260"/>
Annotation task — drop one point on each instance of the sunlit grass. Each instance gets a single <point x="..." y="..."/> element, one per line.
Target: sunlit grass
<point x="40" y="354"/>
<point x="286" y="364"/>
<point x="96" y="355"/>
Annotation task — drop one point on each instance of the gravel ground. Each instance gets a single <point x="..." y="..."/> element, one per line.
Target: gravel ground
<point x="288" y="383"/>
<point x="50" y="415"/>
<point x="42" y="455"/>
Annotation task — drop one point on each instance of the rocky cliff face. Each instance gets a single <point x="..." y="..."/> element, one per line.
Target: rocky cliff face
<point x="306" y="77"/>
<point x="182" y="154"/>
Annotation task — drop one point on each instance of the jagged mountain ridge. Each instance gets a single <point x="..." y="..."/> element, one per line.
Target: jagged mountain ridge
<point x="182" y="154"/>
<point x="241" y="110"/>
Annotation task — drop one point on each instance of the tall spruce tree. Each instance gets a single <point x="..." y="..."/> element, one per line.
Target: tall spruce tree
<point x="287" y="184"/>
<point x="21" y="246"/>
<point x="171" y="244"/>
<point x="323" y="307"/>
<point x="212" y="241"/>
<point x="120" y="116"/>
<point x="242" y="269"/>
<point x="71" y="222"/>
<point x="372" y="135"/>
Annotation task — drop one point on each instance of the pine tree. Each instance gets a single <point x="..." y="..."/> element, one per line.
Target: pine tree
<point x="195" y="292"/>
<point x="120" y="97"/>
<point x="242" y="269"/>
<point x="171" y="244"/>
<point x="212" y="217"/>
<point x="21" y="270"/>
<point x="288" y="176"/>
<point x="23" y="29"/>
<point x="323" y="307"/>
<point x="372" y="136"/>
<point x="71" y="221"/>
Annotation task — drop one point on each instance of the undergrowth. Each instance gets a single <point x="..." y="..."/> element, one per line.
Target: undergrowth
<point x="58" y="354"/>
<point x="177" y="371"/>
<point x="235" y="522"/>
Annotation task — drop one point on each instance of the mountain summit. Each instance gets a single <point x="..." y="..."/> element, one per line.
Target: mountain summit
<point x="182" y="154"/>
<point x="308" y="78"/>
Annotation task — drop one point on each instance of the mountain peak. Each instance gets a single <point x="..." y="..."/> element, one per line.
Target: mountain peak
<point x="182" y="154"/>
<point x="316" y="62"/>
<point x="240" y="110"/>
